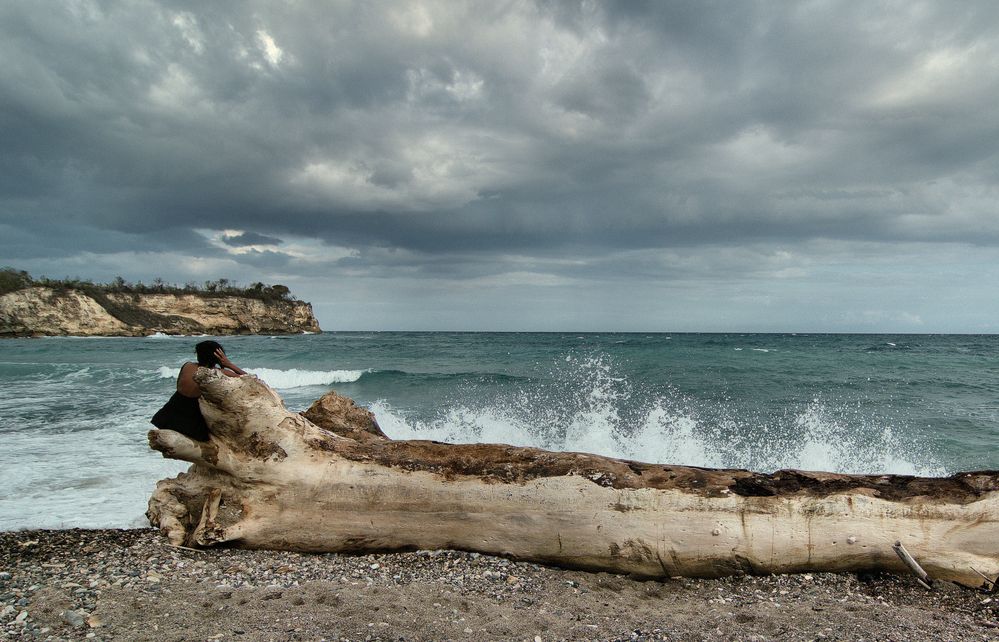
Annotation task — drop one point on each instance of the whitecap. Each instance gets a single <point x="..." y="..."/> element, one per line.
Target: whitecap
<point x="827" y="443"/>
<point x="591" y="414"/>
<point x="295" y="378"/>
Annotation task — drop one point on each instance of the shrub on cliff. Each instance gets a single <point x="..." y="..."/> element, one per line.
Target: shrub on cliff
<point x="12" y="280"/>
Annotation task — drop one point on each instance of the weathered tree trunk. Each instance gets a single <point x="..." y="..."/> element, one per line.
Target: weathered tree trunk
<point x="329" y="480"/>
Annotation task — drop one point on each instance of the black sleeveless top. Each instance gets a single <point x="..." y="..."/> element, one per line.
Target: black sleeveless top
<point x="183" y="415"/>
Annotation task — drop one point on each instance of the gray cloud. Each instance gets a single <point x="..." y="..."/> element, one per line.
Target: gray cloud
<point x="462" y="141"/>
<point x="243" y="239"/>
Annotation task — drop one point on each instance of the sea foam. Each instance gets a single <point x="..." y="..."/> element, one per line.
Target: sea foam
<point x="288" y="379"/>
<point x="608" y="416"/>
<point x="295" y="378"/>
<point x="666" y="436"/>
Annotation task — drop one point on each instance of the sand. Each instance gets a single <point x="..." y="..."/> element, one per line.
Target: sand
<point x="131" y="585"/>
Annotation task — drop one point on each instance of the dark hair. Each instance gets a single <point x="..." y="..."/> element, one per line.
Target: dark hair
<point x="206" y="353"/>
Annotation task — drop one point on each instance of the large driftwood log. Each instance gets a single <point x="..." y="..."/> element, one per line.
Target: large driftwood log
<point x="329" y="480"/>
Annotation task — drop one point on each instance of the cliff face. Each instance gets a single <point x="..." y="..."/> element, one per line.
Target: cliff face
<point x="41" y="311"/>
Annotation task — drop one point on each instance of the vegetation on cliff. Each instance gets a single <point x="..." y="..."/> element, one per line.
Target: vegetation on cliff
<point x="12" y="280"/>
<point x="227" y="307"/>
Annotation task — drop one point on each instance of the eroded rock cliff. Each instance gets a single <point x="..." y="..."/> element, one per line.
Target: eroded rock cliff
<point x="43" y="311"/>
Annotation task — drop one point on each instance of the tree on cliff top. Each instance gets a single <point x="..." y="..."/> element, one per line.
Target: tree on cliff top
<point x="12" y="280"/>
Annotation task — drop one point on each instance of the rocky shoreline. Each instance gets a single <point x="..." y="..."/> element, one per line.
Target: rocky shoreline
<point x="44" y="311"/>
<point x="131" y="585"/>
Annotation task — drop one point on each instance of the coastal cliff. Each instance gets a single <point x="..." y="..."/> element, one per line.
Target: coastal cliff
<point x="47" y="311"/>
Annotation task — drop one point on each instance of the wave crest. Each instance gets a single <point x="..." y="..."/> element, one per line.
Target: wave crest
<point x="587" y="407"/>
<point x="287" y="379"/>
<point x="295" y="378"/>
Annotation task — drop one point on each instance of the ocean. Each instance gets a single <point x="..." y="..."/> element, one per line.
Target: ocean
<point x="74" y="411"/>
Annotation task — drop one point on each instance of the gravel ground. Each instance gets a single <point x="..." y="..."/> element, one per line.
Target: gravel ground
<point x="131" y="585"/>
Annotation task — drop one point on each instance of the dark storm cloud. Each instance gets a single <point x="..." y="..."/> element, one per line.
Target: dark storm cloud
<point x="460" y="134"/>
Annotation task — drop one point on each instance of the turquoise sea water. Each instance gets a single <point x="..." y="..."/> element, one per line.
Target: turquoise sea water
<point x="74" y="412"/>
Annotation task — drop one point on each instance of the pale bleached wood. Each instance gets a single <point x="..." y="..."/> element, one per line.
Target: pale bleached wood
<point x="913" y="565"/>
<point x="331" y="481"/>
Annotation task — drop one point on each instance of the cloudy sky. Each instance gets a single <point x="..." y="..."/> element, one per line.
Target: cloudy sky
<point x="699" y="166"/>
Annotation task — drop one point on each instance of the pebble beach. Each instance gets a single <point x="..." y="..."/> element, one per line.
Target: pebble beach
<point x="132" y="585"/>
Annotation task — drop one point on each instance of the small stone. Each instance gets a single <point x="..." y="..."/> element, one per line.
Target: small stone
<point x="468" y="631"/>
<point x="4" y="575"/>
<point x="537" y="638"/>
<point x="72" y="618"/>
<point x="851" y="540"/>
<point x="6" y="611"/>
<point x="512" y="579"/>
<point x="375" y="567"/>
<point x="716" y="532"/>
<point x="807" y="578"/>
<point x="94" y="621"/>
<point x="21" y="617"/>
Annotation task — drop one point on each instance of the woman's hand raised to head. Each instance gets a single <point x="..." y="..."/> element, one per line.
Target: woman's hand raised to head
<point x="228" y="367"/>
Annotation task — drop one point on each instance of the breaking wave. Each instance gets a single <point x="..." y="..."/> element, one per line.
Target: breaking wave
<point x="588" y="407"/>
<point x="288" y="379"/>
<point x="294" y="378"/>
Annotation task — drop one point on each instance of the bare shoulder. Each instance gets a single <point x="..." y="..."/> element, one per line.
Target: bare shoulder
<point x="185" y="382"/>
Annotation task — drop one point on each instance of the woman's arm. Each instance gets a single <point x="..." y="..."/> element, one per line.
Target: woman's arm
<point x="228" y="367"/>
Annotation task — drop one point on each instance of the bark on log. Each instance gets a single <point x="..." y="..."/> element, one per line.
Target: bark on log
<point x="329" y="480"/>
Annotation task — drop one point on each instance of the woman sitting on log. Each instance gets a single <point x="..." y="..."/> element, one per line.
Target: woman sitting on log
<point x="182" y="413"/>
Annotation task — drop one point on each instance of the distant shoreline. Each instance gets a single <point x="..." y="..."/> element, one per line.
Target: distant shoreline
<point x="48" y="311"/>
<point x="155" y="335"/>
<point x="527" y="332"/>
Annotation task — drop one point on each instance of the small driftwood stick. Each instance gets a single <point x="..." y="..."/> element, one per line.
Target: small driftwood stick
<point x="994" y="584"/>
<point x="186" y="548"/>
<point x="913" y="565"/>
